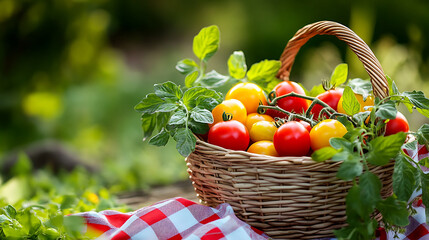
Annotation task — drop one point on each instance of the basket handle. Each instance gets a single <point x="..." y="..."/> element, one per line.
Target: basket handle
<point x="356" y="44"/>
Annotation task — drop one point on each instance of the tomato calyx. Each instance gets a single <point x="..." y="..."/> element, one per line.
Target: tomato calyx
<point x="226" y="116"/>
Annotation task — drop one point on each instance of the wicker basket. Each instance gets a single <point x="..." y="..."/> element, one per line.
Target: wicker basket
<point x="286" y="197"/>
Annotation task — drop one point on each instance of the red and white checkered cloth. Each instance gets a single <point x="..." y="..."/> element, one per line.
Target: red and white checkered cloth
<point x="179" y="218"/>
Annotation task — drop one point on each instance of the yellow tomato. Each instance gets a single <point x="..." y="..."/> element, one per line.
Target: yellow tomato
<point x="325" y="130"/>
<point x="250" y="94"/>
<point x="262" y="130"/>
<point x="369" y="102"/>
<point x="231" y="106"/>
<point x="256" y="117"/>
<point x="263" y="147"/>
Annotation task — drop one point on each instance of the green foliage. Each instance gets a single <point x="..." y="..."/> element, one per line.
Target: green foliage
<point x="350" y="103"/>
<point x="339" y="75"/>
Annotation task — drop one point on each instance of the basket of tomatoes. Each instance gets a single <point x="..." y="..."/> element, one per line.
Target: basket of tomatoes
<point x="291" y="162"/>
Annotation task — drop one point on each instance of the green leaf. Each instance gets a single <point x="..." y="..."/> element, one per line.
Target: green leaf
<point x="74" y="225"/>
<point x="185" y="140"/>
<point x="370" y="186"/>
<point x="148" y="125"/>
<point x="162" y="119"/>
<point x="323" y="154"/>
<point x="424" y="162"/>
<point x="263" y="71"/>
<point x="346" y="122"/>
<point x="404" y="178"/>
<point x="316" y="90"/>
<point x="394" y="212"/>
<point x="149" y="104"/>
<point x="23" y="166"/>
<point x="201" y="115"/>
<point x="190" y="79"/>
<point x="425" y="192"/>
<point x="350" y="169"/>
<point x="350" y="103"/>
<point x="383" y="149"/>
<point x="339" y="75"/>
<point x="187" y="66"/>
<point x="417" y="98"/>
<point x="193" y="96"/>
<point x="160" y="139"/>
<point x="179" y="117"/>
<point x="341" y="144"/>
<point x="412" y="145"/>
<point x="387" y="110"/>
<point x="9" y="211"/>
<point x="360" y="86"/>
<point x="69" y="201"/>
<point x="198" y="128"/>
<point x="423" y="134"/>
<point x="168" y="90"/>
<point x="355" y="208"/>
<point x="393" y="89"/>
<point x="206" y="42"/>
<point x="361" y="117"/>
<point x="3" y="219"/>
<point x="214" y="79"/>
<point x="237" y="65"/>
<point x="208" y="103"/>
<point x="424" y="112"/>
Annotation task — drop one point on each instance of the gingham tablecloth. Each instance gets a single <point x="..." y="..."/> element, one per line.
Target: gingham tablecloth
<point x="179" y="218"/>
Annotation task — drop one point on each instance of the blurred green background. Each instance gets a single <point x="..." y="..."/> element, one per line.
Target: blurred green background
<point x="72" y="71"/>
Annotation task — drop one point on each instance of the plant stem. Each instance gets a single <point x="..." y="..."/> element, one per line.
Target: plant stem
<point x="290" y="114"/>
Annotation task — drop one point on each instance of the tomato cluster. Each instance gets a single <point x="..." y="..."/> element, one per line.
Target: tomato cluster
<point x="275" y="133"/>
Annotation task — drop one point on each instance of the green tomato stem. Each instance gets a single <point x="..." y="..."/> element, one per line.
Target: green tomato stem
<point x="290" y="114"/>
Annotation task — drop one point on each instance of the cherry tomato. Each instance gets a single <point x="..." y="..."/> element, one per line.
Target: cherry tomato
<point x="262" y="130"/>
<point x="325" y="130"/>
<point x="250" y="94"/>
<point x="399" y="124"/>
<point x="256" y="117"/>
<point x="291" y="104"/>
<point x="306" y="125"/>
<point x="230" y="134"/>
<point x="231" y="106"/>
<point x="292" y="139"/>
<point x="368" y="102"/>
<point x="263" y="147"/>
<point x="330" y="97"/>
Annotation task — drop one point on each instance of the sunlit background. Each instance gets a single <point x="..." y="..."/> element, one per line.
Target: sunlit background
<point x="72" y="71"/>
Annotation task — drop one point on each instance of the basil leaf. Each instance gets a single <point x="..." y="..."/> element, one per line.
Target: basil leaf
<point x="190" y="79"/>
<point x="394" y="211"/>
<point x="237" y="65"/>
<point x="214" y="80"/>
<point x="370" y="186"/>
<point x="323" y="154"/>
<point x="417" y="98"/>
<point x="404" y="178"/>
<point x="201" y="115"/>
<point x="339" y="75"/>
<point x="350" y="169"/>
<point x="185" y="140"/>
<point x="206" y="42"/>
<point x="149" y="104"/>
<point x="360" y="86"/>
<point x="387" y="110"/>
<point x="350" y="103"/>
<point x="383" y="149"/>
<point x="148" y="125"/>
<point x="263" y="71"/>
<point x="186" y="66"/>
<point x="168" y="90"/>
<point x="179" y="117"/>
<point x="160" y="139"/>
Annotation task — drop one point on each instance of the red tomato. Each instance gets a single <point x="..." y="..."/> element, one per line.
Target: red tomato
<point x="306" y="125"/>
<point x="292" y="139"/>
<point x="291" y="104"/>
<point x="330" y="97"/>
<point x="230" y="134"/>
<point x="399" y="124"/>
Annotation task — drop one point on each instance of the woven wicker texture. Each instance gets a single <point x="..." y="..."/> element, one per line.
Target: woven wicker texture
<point x="287" y="197"/>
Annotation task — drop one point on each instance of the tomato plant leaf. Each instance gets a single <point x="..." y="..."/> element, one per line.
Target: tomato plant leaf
<point x="316" y="90"/>
<point x="339" y="75"/>
<point x="185" y="140"/>
<point x="324" y="154"/>
<point x="361" y="117"/>
<point x="162" y="119"/>
<point x="393" y="89"/>
<point x="168" y="90"/>
<point x="404" y="178"/>
<point x="148" y="125"/>
<point x="195" y="95"/>
<point x="237" y="65"/>
<point x="191" y="78"/>
<point x="179" y="117"/>
<point x="341" y="144"/>
<point x="197" y="127"/>
<point x="417" y="98"/>
<point x="263" y="71"/>
<point x="214" y="79"/>
<point x="424" y="178"/>
<point x="187" y="66"/>
<point x="394" y="211"/>
<point x="383" y="149"/>
<point x="350" y="103"/>
<point x="160" y="139"/>
<point x="208" y="103"/>
<point x="424" y="112"/>
<point x="350" y="169"/>
<point x="387" y="110"/>
<point x="206" y="42"/>
<point x="149" y="104"/>
<point x="423" y="134"/>
<point x="201" y="115"/>
<point x="360" y="86"/>
<point x="370" y="186"/>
